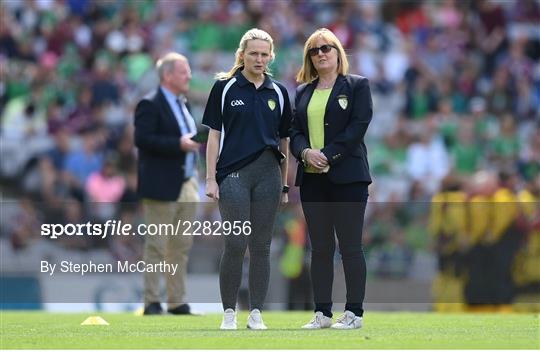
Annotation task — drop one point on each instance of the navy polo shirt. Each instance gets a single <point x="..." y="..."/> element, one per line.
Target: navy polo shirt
<point x="250" y="120"/>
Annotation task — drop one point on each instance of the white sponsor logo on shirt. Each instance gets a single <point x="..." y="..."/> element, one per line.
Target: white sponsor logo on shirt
<point x="237" y="102"/>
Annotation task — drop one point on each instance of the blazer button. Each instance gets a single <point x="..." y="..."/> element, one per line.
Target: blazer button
<point x="326" y="123"/>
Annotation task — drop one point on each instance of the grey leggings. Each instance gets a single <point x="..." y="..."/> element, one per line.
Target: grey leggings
<point x="249" y="194"/>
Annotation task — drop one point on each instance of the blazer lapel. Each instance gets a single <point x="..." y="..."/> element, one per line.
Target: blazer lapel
<point x="338" y="87"/>
<point x="168" y="111"/>
<point x="304" y="101"/>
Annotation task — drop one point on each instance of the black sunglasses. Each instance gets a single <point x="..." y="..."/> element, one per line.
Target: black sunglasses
<point x="324" y="48"/>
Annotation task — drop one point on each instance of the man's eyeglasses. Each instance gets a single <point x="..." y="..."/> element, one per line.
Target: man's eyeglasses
<point x="324" y="48"/>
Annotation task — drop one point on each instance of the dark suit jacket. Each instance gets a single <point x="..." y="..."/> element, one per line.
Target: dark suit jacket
<point x="161" y="161"/>
<point x="347" y="117"/>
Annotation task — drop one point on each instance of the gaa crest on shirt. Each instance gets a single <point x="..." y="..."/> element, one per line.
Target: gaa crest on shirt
<point x="343" y="101"/>
<point x="271" y="104"/>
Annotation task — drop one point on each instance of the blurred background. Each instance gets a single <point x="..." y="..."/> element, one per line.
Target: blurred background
<point x="453" y="221"/>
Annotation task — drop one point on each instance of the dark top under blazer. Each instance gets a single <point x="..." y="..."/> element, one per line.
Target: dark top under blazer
<point x="161" y="161"/>
<point x="345" y="125"/>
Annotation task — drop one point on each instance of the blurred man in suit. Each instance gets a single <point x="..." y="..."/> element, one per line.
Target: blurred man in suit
<point x="167" y="180"/>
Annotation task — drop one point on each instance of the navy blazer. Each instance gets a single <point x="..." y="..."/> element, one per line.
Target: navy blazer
<point x="161" y="161"/>
<point x="346" y="119"/>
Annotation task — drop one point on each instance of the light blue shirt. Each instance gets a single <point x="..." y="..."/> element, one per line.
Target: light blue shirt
<point x="179" y="112"/>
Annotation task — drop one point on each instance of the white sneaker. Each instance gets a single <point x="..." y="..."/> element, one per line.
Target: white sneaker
<point x="319" y="321"/>
<point x="229" y="320"/>
<point x="255" y="321"/>
<point x="348" y="321"/>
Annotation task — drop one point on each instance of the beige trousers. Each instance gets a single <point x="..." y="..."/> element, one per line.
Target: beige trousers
<point x="171" y="249"/>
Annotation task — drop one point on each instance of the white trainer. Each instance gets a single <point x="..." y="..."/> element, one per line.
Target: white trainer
<point x="255" y="321"/>
<point x="348" y="321"/>
<point x="319" y="321"/>
<point x="229" y="320"/>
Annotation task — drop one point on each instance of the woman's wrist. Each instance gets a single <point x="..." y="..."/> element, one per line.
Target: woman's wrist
<point x="303" y="155"/>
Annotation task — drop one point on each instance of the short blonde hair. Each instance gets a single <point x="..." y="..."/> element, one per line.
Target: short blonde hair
<point x="166" y="63"/>
<point x="307" y="72"/>
<point x="252" y="34"/>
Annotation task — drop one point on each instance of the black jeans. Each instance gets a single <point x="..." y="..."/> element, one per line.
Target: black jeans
<point x="335" y="208"/>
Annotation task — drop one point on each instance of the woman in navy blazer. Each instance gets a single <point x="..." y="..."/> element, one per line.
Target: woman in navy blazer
<point x="333" y="110"/>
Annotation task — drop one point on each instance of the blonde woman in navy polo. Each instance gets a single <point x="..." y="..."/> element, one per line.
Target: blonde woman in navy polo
<point x="249" y="115"/>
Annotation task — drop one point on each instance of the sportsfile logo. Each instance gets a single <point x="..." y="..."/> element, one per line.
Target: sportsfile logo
<point x="120" y="228"/>
<point x="237" y="102"/>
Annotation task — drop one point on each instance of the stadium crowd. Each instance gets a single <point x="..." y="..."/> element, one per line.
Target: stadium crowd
<point x="455" y="84"/>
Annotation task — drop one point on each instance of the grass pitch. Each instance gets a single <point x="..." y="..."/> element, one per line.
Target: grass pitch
<point x="41" y="330"/>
